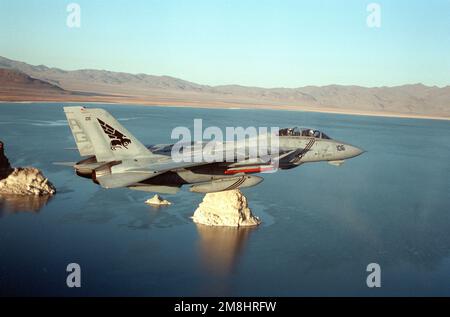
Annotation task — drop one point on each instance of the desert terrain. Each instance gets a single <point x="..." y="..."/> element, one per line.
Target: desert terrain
<point x="21" y="82"/>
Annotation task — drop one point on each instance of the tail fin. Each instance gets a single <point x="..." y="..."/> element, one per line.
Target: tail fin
<point x="97" y="133"/>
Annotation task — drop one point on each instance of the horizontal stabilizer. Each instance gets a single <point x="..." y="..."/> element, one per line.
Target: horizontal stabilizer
<point x="69" y="164"/>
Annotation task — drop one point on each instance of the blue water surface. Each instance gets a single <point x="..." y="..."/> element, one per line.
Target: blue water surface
<point x="322" y="225"/>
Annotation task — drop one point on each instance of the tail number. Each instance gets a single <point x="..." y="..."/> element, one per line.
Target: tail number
<point x="77" y="131"/>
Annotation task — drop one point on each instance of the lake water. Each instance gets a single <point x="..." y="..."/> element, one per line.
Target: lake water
<point x="322" y="225"/>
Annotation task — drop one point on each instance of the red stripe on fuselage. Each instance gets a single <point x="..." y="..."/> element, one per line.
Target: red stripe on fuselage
<point x="249" y="170"/>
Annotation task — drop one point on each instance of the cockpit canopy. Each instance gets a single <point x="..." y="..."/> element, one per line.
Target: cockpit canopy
<point x="296" y="131"/>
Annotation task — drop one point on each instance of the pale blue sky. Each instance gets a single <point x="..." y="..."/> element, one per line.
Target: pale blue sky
<point x="249" y="42"/>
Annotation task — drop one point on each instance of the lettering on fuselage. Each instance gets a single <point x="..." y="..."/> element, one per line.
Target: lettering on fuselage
<point x="340" y="147"/>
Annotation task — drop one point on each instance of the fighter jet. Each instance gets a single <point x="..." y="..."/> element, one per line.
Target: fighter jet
<point x="115" y="158"/>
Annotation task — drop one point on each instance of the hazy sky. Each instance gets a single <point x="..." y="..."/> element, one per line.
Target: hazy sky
<point x="249" y="42"/>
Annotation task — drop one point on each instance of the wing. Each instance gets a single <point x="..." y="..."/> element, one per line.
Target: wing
<point x="136" y="175"/>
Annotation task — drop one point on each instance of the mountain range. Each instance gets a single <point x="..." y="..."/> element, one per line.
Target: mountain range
<point x="20" y="81"/>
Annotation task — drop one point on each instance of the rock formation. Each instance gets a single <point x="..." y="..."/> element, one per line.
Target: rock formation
<point x="5" y="167"/>
<point x="26" y="181"/>
<point x="157" y="201"/>
<point x="22" y="181"/>
<point x="228" y="208"/>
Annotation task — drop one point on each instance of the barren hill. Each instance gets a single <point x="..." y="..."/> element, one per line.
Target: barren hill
<point x="12" y="78"/>
<point x="107" y="86"/>
<point x="14" y="83"/>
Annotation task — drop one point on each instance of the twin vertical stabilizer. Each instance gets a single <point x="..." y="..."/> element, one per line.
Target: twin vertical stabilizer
<point x="97" y="133"/>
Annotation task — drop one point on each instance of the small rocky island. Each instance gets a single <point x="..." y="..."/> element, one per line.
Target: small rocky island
<point x="228" y="208"/>
<point x="157" y="201"/>
<point x="22" y="180"/>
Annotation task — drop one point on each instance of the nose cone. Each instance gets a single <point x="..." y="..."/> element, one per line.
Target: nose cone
<point x="353" y="151"/>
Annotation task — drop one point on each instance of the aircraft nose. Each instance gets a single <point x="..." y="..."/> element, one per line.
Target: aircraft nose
<point x="354" y="151"/>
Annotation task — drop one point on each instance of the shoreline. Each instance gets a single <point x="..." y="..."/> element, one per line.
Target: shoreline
<point x="196" y="105"/>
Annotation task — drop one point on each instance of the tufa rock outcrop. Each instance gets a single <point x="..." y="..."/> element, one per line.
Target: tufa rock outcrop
<point x="5" y="167"/>
<point x="228" y="208"/>
<point x="22" y="181"/>
<point x="26" y="181"/>
<point x="157" y="201"/>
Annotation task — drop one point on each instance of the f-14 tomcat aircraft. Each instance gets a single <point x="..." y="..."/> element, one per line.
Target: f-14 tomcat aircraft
<point x="117" y="159"/>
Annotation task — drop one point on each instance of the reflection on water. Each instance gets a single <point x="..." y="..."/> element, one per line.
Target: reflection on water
<point x="220" y="247"/>
<point x="10" y="204"/>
